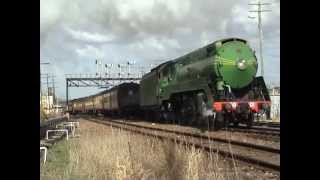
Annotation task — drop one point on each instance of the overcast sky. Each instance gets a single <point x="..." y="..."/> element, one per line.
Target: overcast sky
<point x="74" y="33"/>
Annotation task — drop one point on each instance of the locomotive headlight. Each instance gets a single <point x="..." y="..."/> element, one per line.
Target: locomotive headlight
<point x="251" y="104"/>
<point x="241" y="64"/>
<point x="234" y="105"/>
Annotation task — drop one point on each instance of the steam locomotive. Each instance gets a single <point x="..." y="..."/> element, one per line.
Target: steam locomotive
<point x="215" y="85"/>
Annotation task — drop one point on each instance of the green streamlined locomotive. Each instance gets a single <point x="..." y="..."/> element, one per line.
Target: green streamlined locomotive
<point x="215" y="84"/>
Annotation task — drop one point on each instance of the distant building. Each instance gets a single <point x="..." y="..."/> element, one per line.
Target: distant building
<point x="274" y="91"/>
<point x="47" y="103"/>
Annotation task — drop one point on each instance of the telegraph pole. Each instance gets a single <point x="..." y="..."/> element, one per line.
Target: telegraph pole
<point x="259" y="4"/>
<point x="48" y="100"/>
<point x="53" y="91"/>
<point x="46" y="63"/>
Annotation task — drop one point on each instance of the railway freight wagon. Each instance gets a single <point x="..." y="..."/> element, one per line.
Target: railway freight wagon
<point x="216" y="84"/>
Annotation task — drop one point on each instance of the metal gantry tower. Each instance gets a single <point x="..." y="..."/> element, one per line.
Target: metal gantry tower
<point x="259" y="5"/>
<point x="114" y="74"/>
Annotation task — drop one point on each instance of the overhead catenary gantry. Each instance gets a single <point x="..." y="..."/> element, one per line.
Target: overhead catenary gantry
<point x="108" y="75"/>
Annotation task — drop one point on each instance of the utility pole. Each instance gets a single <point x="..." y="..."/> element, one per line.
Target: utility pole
<point x="53" y="90"/>
<point x="48" y="102"/>
<point x="67" y="95"/>
<point x="46" y="63"/>
<point x="259" y="4"/>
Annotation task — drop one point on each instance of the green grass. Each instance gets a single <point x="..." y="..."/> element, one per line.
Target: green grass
<point x="58" y="161"/>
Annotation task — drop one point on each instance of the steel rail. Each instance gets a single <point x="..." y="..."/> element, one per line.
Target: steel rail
<point x="262" y="131"/>
<point x="239" y="143"/>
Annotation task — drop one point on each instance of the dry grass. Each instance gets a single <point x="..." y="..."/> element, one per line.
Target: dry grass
<point x="109" y="153"/>
<point x="43" y="115"/>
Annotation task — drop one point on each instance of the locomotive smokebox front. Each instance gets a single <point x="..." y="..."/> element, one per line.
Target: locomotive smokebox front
<point x="235" y="63"/>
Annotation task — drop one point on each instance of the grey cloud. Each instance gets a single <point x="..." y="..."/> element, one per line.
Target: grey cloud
<point x="74" y="33"/>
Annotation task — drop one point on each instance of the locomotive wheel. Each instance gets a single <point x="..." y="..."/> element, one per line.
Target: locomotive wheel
<point x="146" y="115"/>
<point x="126" y="115"/>
<point x="219" y="120"/>
<point x="156" y="116"/>
<point x="170" y="117"/>
<point x="202" y="117"/>
<point x="169" y="107"/>
<point x="211" y="122"/>
<point x="226" y="121"/>
<point x="172" y="114"/>
<point x="189" y="115"/>
<point x="250" y="120"/>
<point x="165" y="115"/>
<point x="236" y="124"/>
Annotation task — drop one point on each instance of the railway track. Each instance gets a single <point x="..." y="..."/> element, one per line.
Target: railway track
<point x="268" y="124"/>
<point x="262" y="157"/>
<point x="271" y="129"/>
<point x="266" y="133"/>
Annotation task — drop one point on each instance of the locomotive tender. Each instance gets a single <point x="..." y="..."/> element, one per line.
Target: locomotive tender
<point x="214" y="85"/>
